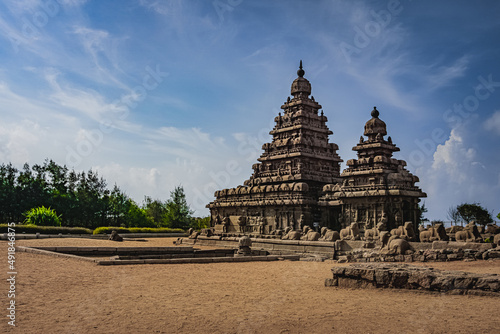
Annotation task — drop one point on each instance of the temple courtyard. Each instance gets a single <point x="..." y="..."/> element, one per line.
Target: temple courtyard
<point x="64" y="295"/>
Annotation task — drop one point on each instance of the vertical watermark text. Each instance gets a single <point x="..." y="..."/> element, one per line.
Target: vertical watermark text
<point x="11" y="274"/>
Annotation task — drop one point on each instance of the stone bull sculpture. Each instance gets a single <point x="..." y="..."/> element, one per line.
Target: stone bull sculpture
<point x="290" y="234"/>
<point x="351" y="232"/>
<point x="434" y="233"/>
<point x="310" y="234"/>
<point x="469" y="234"/>
<point x="329" y="235"/>
<point x="393" y="245"/>
<point x="405" y="232"/>
<point x="374" y="233"/>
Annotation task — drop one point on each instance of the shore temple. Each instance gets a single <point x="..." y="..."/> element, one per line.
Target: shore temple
<point x="297" y="179"/>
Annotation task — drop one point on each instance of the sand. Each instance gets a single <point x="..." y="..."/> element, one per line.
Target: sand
<point x="60" y="295"/>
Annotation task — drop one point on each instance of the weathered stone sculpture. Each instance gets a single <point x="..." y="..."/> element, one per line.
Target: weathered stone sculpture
<point x="225" y="224"/>
<point x="329" y="235"/>
<point x="242" y="221"/>
<point x="454" y="229"/>
<point x="492" y="229"/>
<point x="115" y="237"/>
<point x="434" y="233"/>
<point x="206" y="232"/>
<point x="351" y="232"/>
<point x="469" y="234"/>
<point x="310" y="234"/>
<point x="291" y="234"/>
<point x="496" y="240"/>
<point x="374" y="233"/>
<point x="406" y="232"/>
<point x="244" y="244"/>
<point x="393" y="245"/>
<point x="193" y="234"/>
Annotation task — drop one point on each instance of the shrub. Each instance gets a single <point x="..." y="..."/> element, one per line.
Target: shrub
<point x="45" y="229"/>
<point x="108" y="229"/>
<point x="42" y="216"/>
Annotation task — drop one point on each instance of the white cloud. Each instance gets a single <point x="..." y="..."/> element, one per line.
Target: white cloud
<point x="454" y="158"/>
<point x="169" y="8"/>
<point x="86" y="101"/>
<point x="17" y="141"/>
<point x="458" y="174"/>
<point x="443" y="75"/>
<point x="493" y="123"/>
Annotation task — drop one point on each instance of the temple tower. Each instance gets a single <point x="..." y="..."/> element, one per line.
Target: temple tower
<point x="375" y="186"/>
<point x="286" y="183"/>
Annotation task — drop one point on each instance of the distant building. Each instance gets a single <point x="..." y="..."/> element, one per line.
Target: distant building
<point x="297" y="180"/>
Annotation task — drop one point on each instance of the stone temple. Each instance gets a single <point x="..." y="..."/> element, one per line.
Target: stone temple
<point x="297" y="180"/>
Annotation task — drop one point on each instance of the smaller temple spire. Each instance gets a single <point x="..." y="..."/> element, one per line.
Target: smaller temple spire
<point x="375" y="126"/>
<point x="301" y="85"/>
<point x="301" y="72"/>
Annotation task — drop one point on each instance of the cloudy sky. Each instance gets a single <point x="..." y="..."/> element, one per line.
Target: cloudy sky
<point x="155" y="94"/>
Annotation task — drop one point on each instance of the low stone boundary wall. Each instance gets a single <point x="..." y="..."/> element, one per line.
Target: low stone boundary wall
<point x="201" y="260"/>
<point x="273" y="246"/>
<point x="110" y="251"/>
<point x="125" y="236"/>
<point x="153" y="255"/>
<point x="359" y="251"/>
<point x="52" y="253"/>
<point x="403" y="276"/>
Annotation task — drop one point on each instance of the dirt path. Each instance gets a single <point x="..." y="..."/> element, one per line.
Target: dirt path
<point x="59" y="295"/>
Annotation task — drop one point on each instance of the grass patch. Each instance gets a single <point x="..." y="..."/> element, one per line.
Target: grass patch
<point x="108" y="229"/>
<point x="46" y="229"/>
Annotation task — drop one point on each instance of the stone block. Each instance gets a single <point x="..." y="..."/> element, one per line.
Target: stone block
<point x="331" y="282"/>
<point x="408" y="258"/>
<point x="342" y="259"/>
<point x="442" y="257"/>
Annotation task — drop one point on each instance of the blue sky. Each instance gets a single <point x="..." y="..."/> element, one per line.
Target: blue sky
<point x="155" y="94"/>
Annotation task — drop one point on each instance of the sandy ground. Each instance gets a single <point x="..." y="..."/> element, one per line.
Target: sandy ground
<point x="58" y="295"/>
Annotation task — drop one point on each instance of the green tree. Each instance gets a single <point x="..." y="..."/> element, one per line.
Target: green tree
<point x="178" y="213"/>
<point x="421" y="210"/>
<point x="470" y="212"/>
<point x="119" y="205"/>
<point x="156" y="210"/>
<point x="137" y="217"/>
<point x="498" y="216"/>
<point x="9" y="198"/>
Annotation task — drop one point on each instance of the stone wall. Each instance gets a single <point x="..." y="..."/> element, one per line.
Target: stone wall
<point x="403" y="276"/>
<point x="359" y="251"/>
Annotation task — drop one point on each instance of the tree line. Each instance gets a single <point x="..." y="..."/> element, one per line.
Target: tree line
<point x="466" y="212"/>
<point x="82" y="199"/>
